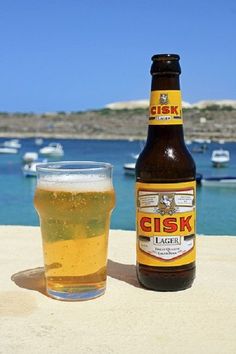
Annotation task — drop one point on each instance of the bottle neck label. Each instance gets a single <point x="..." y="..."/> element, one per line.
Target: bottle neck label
<point x="165" y="108"/>
<point x="165" y="223"/>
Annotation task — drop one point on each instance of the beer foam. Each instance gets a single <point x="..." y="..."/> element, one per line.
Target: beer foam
<point x="75" y="183"/>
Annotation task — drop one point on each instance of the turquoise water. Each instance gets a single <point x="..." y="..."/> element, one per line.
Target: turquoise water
<point x="215" y="205"/>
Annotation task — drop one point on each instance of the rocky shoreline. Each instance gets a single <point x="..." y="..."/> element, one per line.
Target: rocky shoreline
<point x="211" y="123"/>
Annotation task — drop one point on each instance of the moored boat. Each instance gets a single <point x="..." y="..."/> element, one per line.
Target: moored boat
<point x="8" y="150"/>
<point x="53" y="149"/>
<point x="38" y="141"/>
<point x="29" y="169"/>
<point x="225" y="181"/>
<point x="13" y="143"/>
<point x="220" y="158"/>
<point x="30" y="157"/>
<point x="129" y="168"/>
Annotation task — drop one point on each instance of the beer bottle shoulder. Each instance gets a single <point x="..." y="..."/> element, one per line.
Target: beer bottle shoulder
<point x="165" y="162"/>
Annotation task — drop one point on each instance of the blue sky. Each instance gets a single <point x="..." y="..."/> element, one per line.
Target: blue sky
<point x="73" y="55"/>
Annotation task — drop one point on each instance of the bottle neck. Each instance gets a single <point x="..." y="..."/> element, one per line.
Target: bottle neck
<point x="165" y="82"/>
<point x="165" y="132"/>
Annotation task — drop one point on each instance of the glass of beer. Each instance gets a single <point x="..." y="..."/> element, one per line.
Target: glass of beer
<point x="74" y="201"/>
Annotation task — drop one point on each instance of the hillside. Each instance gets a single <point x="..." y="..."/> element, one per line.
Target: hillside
<point x="212" y="122"/>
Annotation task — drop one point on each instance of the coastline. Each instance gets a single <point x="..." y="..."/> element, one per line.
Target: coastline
<point x="107" y="124"/>
<point x="17" y="135"/>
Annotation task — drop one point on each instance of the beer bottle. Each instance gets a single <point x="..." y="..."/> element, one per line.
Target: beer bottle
<point x="165" y="188"/>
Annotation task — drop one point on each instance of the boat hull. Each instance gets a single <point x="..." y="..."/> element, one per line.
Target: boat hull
<point x="6" y="150"/>
<point x="219" y="182"/>
<point x="129" y="169"/>
<point x="219" y="164"/>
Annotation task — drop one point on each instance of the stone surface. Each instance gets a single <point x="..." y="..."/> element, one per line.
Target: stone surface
<point x="127" y="319"/>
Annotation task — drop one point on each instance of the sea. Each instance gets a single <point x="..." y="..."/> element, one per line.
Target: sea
<point x="216" y="205"/>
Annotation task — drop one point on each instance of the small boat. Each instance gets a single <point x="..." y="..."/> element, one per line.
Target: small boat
<point x="208" y="141"/>
<point x="227" y="181"/>
<point x="29" y="169"/>
<point x="30" y="157"/>
<point x="53" y="149"/>
<point x="199" y="141"/>
<point x="38" y="141"/>
<point x="202" y="141"/>
<point x="199" y="148"/>
<point x="6" y="150"/>
<point x="220" y="158"/>
<point x="221" y="141"/>
<point x="129" y="168"/>
<point x="13" y="143"/>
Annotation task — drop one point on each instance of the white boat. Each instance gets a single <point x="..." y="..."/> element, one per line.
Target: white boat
<point x="53" y="149"/>
<point x="220" y="158"/>
<point x="129" y="168"/>
<point x="208" y="141"/>
<point x="199" y="141"/>
<point x="227" y="181"/>
<point x="13" y="143"/>
<point x="30" y="157"/>
<point x="38" y="141"/>
<point x="202" y="141"/>
<point x="29" y="169"/>
<point x="6" y="150"/>
<point x="221" y="141"/>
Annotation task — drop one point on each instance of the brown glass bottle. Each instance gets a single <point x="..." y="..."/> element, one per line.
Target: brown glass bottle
<point x="165" y="159"/>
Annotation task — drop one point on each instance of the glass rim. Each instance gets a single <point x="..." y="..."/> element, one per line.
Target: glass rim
<point x="58" y="166"/>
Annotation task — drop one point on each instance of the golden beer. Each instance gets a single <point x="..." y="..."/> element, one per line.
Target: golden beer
<point x="75" y="220"/>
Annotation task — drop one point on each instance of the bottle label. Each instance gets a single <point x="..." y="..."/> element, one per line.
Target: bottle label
<point x="166" y="223"/>
<point x="165" y="108"/>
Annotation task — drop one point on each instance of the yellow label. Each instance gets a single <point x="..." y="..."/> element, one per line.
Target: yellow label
<point x="166" y="223"/>
<point x="165" y="108"/>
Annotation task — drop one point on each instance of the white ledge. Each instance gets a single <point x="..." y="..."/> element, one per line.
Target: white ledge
<point x="128" y="318"/>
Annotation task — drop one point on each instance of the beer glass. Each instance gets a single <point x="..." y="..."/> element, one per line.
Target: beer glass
<point x="74" y="201"/>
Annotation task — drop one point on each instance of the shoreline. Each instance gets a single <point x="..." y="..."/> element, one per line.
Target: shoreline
<point x="68" y="136"/>
<point x="116" y="125"/>
<point x="17" y="135"/>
